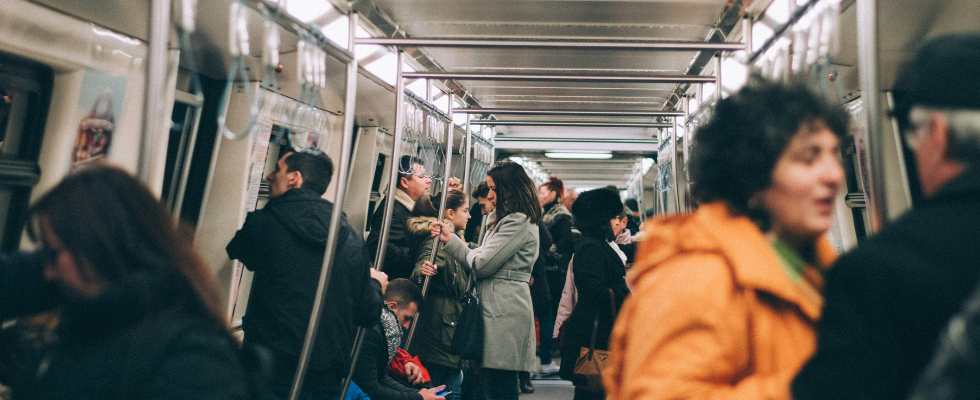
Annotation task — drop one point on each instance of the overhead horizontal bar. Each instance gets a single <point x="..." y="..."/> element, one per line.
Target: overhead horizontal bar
<point x="651" y="45"/>
<point x="573" y="123"/>
<point x="560" y="78"/>
<point x="571" y="144"/>
<point x="603" y="113"/>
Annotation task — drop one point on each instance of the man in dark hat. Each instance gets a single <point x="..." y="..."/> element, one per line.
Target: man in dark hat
<point x="887" y="302"/>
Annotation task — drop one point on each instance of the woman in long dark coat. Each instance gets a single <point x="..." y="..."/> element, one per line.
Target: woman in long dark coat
<point x="598" y="269"/>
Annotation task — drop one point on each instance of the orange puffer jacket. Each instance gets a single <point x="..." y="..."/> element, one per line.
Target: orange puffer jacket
<point x="713" y="314"/>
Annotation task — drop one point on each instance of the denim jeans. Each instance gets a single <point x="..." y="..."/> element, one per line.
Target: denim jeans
<point x="451" y="377"/>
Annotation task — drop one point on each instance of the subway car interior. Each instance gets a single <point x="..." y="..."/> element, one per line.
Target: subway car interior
<point x="199" y="98"/>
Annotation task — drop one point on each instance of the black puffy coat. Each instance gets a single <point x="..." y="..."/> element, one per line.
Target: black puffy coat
<point x="399" y="253"/>
<point x="284" y="243"/>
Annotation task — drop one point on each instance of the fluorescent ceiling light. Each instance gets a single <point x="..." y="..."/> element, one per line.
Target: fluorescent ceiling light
<point x="647" y="164"/>
<point x="589" y="155"/>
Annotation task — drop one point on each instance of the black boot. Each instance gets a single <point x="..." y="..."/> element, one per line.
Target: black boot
<point x="524" y="378"/>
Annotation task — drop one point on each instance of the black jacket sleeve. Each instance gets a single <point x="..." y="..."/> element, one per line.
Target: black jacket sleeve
<point x="372" y="377"/>
<point x="397" y="252"/>
<point x="23" y="289"/>
<point x="592" y="278"/>
<point x="367" y="307"/>
<point x="246" y="246"/>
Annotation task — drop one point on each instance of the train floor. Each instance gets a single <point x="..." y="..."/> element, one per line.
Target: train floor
<point x="550" y="387"/>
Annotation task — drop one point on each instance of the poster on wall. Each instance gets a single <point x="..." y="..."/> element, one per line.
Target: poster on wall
<point x="99" y="106"/>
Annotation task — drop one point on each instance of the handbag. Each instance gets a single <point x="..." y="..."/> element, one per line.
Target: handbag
<point x="591" y="362"/>
<point x="468" y="338"/>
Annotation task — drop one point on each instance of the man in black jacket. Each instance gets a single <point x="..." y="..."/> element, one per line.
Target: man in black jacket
<point x="887" y="301"/>
<point x="399" y="259"/>
<point x="284" y="244"/>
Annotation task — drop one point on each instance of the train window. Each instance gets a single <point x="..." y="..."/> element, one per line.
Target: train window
<point x="185" y="120"/>
<point x="25" y="90"/>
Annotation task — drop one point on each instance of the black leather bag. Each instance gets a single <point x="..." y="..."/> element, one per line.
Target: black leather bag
<point x="468" y="337"/>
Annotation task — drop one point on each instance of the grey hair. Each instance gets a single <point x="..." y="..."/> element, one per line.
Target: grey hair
<point x="964" y="130"/>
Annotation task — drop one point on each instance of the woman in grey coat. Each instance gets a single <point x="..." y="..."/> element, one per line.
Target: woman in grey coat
<point x="503" y="269"/>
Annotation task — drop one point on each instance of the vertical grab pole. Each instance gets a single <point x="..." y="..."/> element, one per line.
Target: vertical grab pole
<point x="436" y="244"/>
<point x="469" y="154"/>
<point x="334" y="227"/>
<point x="747" y="39"/>
<point x="687" y="148"/>
<point x="156" y="71"/>
<point x="867" y="36"/>
<point x="396" y="154"/>
<point x="718" y="77"/>
<point x="677" y="168"/>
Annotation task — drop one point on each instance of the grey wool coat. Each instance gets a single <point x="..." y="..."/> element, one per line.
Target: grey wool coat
<point x="503" y="269"/>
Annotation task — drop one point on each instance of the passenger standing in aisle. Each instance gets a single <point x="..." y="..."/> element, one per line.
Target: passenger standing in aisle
<point x="725" y="300"/>
<point x="599" y="279"/>
<point x="140" y="312"/>
<point x="283" y="244"/>
<point x="889" y="299"/>
<point x="477" y="211"/>
<point x="412" y="183"/>
<point x="448" y="279"/>
<point x="503" y="268"/>
<point x="558" y="220"/>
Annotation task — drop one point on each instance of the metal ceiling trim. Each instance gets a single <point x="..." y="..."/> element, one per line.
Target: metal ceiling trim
<point x="582" y="113"/>
<point x="560" y="78"/>
<point x="649" y="45"/>
<point x="726" y="23"/>
<point x="573" y="123"/>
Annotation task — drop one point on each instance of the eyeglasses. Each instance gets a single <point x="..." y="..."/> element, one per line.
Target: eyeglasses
<point x="918" y="121"/>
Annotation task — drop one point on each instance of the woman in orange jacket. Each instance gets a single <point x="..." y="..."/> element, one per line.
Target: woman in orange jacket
<point x="725" y="299"/>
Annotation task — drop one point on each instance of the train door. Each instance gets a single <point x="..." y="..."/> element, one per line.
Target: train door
<point x="25" y="91"/>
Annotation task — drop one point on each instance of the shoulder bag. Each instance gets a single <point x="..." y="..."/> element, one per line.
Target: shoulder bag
<point x="591" y="362"/>
<point x="468" y="337"/>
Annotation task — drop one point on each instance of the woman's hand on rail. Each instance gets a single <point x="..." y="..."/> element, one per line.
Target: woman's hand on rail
<point x="428" y="269"/>
<point x="455" y="184"/>
<point x="439" y="229"/>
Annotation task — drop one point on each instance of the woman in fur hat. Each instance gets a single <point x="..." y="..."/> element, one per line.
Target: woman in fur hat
<point x="447" y="284"/>
<point x="599" y="269"/>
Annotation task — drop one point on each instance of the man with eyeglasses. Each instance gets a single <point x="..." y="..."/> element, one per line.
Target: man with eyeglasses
<point x="887" y="302"/>
<point x="412" y="183"/>
<point x="283" y="244"/>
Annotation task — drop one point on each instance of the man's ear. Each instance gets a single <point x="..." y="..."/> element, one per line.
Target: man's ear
<point x="295" y="179"/>
<point x="393" y="305"/>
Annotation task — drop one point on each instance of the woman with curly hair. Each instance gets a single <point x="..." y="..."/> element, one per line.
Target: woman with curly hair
<point x="725" y="300"/>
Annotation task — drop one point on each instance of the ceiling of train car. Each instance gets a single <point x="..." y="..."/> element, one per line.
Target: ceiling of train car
<point x="559" y="19"/>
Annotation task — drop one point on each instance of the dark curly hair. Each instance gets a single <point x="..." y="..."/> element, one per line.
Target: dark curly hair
<point x="733" y="155"/>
